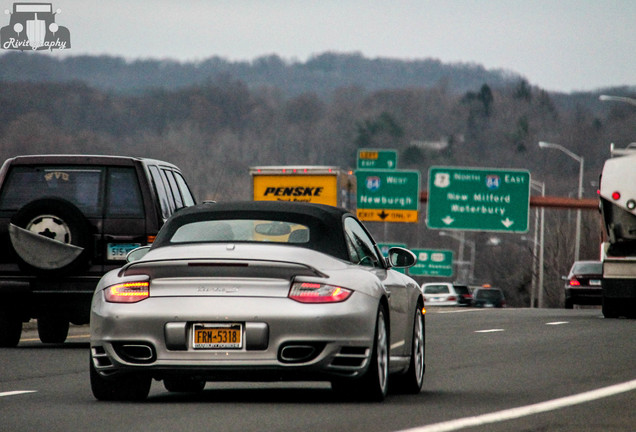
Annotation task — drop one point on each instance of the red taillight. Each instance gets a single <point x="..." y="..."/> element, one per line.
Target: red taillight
<point x="451" y="298"/>
<point x="616" y="195"/>
<point x="127" y="292"/>
<point x="306" y="292"/>
<point x="574" y="282"/>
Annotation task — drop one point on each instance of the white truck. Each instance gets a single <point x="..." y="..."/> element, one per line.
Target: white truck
<point x="618" y="208"/>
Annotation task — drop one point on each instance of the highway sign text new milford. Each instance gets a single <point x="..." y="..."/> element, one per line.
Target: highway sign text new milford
<point x="388" y="195"/>
<point x="432" y="262"/>
<point x="478" y="199"/>
<point x="377" y="159"/>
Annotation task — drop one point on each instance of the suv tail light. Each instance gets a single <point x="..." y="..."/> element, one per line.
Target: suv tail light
<point x="574" y="282"/>
<point x="451" y="298"/>
<point x="127" y="292"/>
<point x="308" y="292"/>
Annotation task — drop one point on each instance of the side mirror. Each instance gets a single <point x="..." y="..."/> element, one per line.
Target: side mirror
<point x="137" y="254"/>
<point x="401" y="258"/>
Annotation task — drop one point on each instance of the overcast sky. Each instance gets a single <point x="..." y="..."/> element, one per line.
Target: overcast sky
<point x="559" y="45"/>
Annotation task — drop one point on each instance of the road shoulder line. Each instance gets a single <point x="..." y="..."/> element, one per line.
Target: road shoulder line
<point x="527" y="410"/>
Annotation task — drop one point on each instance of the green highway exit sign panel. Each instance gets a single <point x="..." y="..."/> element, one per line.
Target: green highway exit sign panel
<point x="478" y="199"/>
<point x="388" y="195"/>
<point x="374" y="159"/>
<point x="432" y="262"/>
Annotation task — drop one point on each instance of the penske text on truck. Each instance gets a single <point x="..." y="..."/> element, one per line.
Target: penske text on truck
<point x="312" y="183"/>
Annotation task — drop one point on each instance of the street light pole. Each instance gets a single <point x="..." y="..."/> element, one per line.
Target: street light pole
<point x="537" y="287"/>
<point x="580" y="160"/>
<point x="462" y="241"/>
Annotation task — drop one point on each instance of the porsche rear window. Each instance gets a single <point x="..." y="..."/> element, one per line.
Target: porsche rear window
<point x="241" y="230"/>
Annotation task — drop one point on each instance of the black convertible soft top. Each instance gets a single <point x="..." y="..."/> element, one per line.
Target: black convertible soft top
<point x="325" y="222"/>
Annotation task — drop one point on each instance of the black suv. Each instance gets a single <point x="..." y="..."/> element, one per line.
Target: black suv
<point x="489" y="297"/>
<point x="65" y="220"/>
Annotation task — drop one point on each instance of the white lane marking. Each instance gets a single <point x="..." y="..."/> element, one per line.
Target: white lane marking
<point x="489" y="331"/>
<point x="17" y="392"/>
<point x="557" y="323"/>
<point x="398" y="344"/>
<point x="458" y="311"/>
<point x="527" y="410"/>
<point x="83" y="336"/>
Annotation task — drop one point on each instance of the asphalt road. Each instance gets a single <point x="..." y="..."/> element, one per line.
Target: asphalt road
<point x="487" y="370"/>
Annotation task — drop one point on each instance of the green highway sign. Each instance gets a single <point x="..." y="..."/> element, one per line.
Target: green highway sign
<point x="377" y="159"/>
<point x="388" y="195"/>
<point x="478" y="199"/>
<point x="432" y="262"/>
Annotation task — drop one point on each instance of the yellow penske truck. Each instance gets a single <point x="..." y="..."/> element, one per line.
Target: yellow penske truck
<point x="618" y="207"/>
<point x="304" y="183"/>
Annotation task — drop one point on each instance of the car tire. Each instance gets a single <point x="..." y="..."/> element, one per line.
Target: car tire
<point x="411" y="382"/>
<point x="373" y="385"/>
<point x="123" y="387"/>
<point x="183" y="385"/>
<point x="71" y="225"/>
<point x="10" y="329"/>
<point x="52" y="329"/>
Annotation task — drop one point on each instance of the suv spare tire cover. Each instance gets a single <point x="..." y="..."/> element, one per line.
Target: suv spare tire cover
<point x="50" y="235"/>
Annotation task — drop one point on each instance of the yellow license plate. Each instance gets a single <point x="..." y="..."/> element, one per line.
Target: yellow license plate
<point x="217" y="336"/>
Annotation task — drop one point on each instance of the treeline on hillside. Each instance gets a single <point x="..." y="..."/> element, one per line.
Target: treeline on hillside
<point x="320" y="74"/>
<point x="224" y="126"/>
<point x="217" y="130"/>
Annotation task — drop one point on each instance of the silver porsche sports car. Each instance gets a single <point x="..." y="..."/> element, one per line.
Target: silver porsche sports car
<point x="258" y="291"/>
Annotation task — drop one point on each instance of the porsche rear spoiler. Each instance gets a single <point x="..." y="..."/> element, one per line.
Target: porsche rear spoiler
<point x="219" y="268"/>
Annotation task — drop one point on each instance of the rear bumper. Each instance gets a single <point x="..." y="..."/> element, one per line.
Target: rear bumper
<point x="587" y="296"/>
<point x="282" y="339"/>
<point x="31" y="297"/>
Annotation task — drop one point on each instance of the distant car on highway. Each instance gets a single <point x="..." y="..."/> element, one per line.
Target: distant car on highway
<point x="259" y="291"/>
<point x="583" y="284"/>
<point x="464" y="295"/>
<point x="489" y="297"/>
<point x="440" y="294"/>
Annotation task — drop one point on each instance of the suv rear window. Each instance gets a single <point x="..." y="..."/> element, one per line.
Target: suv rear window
<point x="489" y="294"/>
<point x="79" y="185"/>
<point x="461" y="289"/>
<point x="436" y="289"/>
<point x="124" y="196"/>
